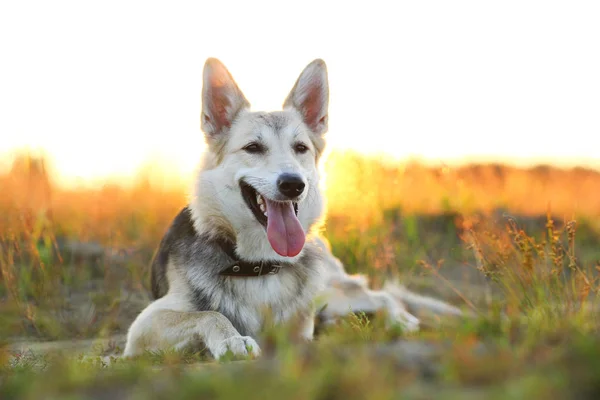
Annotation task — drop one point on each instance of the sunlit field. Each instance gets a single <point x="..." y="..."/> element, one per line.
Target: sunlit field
<point x="519" y="249"/>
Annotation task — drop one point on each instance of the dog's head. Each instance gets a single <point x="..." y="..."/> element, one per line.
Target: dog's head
<point x="260" y="177"/>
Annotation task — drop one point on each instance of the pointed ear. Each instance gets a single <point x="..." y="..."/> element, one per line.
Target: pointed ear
<point x="222" y="100"/>
<point x="310" y="96"/>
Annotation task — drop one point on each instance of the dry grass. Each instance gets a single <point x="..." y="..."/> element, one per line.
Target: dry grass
<point x="518" y="247"/>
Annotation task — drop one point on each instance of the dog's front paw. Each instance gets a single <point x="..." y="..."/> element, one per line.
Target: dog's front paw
<point x="238" y="345"/>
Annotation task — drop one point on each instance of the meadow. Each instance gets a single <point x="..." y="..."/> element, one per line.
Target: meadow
<point x="519" y="248"/>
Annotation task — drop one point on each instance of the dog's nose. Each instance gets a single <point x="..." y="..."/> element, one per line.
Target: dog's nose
<point x="290" y="185"/>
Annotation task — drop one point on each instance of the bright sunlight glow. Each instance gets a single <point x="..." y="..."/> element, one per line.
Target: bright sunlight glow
<point x="104" y="87"/>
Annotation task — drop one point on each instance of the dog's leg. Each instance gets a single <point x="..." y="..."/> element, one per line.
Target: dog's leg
<point x="158" y="328"/>
<point x="395" y="310"/>
<point x="356" y="298"/>
<point x="307" y="325"/>
<point x="418" y="303"/>
<point x="351" y="293"/>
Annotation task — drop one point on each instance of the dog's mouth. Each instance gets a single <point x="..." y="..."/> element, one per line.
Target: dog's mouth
<point x="280" y="218"/>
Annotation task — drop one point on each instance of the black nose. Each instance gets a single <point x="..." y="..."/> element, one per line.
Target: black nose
<point x="290" y="185"/>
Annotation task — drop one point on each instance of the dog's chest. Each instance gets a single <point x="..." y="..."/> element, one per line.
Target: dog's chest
<point x="248" y="301"/>
<point x="278" y="294"/>
<point x="244" y="300"/>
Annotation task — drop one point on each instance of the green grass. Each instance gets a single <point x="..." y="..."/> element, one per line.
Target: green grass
<point x="532" y="283"/>
<point x="560" y="364"/>
<point x="537" y="337"/>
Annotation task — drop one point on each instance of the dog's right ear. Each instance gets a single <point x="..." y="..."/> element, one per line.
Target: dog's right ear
<point x="222" y="99"/>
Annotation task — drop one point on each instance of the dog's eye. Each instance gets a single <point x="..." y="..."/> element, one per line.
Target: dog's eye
<point x="254" y="148"/>
<point x="300" y="148"/>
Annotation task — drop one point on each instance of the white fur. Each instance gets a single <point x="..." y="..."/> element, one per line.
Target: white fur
<point x="217" y="188"/>
<point x="218" y="208"/>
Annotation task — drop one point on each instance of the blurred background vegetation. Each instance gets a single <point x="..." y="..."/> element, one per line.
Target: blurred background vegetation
<point x="506" y="243"/>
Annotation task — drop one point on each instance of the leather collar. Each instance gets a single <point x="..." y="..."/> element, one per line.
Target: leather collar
<point x="243" y="268"/>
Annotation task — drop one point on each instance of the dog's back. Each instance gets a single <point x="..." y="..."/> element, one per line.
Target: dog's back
<point x="181" y="227"/>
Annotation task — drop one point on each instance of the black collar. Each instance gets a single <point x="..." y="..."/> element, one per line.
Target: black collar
<point x="243" y="268"/>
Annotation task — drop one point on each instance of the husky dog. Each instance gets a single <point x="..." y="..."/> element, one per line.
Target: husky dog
<point x="245" y="242"/>
<point x="248" y="241"/>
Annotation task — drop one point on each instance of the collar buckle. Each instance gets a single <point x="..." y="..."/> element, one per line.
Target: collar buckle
<point x="273" y="269"/>
<point x="258" y="269"/>
<point x="266" y="269"/>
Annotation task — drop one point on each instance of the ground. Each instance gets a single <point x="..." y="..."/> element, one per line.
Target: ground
<point x="518" y="248"/>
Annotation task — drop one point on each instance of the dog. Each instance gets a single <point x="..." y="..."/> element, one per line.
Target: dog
<point x="245" y="242"/>
<point x="249" y="240"/>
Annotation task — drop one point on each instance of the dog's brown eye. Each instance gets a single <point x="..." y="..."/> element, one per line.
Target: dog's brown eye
<point x="300" y="148"/>
<point x="254" y="148"/>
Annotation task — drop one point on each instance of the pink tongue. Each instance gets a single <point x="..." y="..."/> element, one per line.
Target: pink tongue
<point x="283" y="229"/>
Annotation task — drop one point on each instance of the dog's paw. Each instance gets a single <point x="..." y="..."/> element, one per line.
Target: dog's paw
<point x="408" y="322"/>
<point x="240" y="346"/>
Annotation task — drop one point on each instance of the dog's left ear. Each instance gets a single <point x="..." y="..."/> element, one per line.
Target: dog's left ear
<point x="310" y="96"/>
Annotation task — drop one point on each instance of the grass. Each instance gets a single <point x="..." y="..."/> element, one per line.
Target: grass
<point x="73" y="266"/>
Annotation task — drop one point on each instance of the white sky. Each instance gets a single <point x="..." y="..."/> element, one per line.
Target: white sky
<point x="105" y="86"/>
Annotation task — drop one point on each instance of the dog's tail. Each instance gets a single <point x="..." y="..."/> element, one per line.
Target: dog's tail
<point x="416" y="303"/>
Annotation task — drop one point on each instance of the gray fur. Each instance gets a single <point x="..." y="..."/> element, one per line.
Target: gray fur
<point x="199" y="259"/>
<point x="181" y="227"/>
<point x="275" y="120"/>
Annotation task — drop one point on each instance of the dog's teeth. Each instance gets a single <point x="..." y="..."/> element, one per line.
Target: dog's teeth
<point x="259" y="199"/>
<point x="265" y="214"/>
<point x="262" y="208"/>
